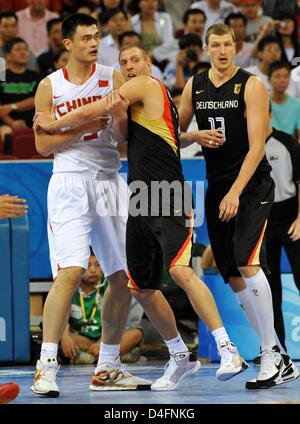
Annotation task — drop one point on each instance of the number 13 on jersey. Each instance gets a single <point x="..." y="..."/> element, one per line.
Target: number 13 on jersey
<point x="217" y="123"/>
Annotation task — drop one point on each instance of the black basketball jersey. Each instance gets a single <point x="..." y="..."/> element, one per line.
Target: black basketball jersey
<point x="154" y="145"/>
<point x="224" y="107"/>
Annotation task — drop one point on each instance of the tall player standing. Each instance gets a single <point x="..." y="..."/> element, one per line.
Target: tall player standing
<point x="84" y="186"/>
<point x="240" y="189"/>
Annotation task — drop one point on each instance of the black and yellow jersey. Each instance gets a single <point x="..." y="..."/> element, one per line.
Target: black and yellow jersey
<point x="154" y="145"/>
<point x="224" y="107"/>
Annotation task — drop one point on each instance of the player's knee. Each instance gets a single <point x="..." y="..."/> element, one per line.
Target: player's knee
<point x="142" y="296"/>
<point x="182" y="275"/>
<point x="69" y="277"/>
<point x="118" y="280"/>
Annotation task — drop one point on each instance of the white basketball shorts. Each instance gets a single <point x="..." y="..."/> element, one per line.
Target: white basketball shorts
<point x="83" y="211"/>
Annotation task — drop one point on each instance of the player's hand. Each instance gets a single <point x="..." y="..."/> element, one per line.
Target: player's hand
<point x="294" y="230"/>
<point x="68" y="346"/>
<point x="96" y="125"/>
<point x="43" y="120"/>
<point x="229" y="206"/>
<point x="12" y="206"/>
<point x="116" y="105"/>
<point x="212" y="139"/>
<point x="94" y="349"/>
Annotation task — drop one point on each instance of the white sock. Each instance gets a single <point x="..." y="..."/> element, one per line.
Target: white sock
<point x="220" y="335"/>
<point x="262" y="306"/>
<point x="108" y="353"/>
<point x="246" y="306"/>
<point x="49" y="349"/>
<point x="176" y="345"/>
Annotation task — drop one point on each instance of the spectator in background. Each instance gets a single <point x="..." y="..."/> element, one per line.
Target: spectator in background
<point x="155" y="27"/>
<point x="134" y="38"/>
<point x="269" y="50"/>
<point x="46" y="59"/>
<point x="17" y="92"/>
<point x="285" y="108"/>
<point x="215" y="10"/>
<point x="283" y="229"/>
<point x="255" y="21"/>
<point x="287" y="32"/>
<point x="238" y="24"/>
<point x="178" y="71"/>
<point x="116" y="22"/>
<point x="9" y="29"/>
<point x="82" y="336"/>
<point x="60" y="59"/>
<point x="104" y="5"/>
<point x="32" y="24"/>
<point x="193" y="23"/>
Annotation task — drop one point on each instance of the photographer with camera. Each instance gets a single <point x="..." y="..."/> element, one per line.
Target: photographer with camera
<point x="190" y="53"/>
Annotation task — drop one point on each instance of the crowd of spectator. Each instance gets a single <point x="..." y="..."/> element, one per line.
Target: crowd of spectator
<point x="267" y="33"/>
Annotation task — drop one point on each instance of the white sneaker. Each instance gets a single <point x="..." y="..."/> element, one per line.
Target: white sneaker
<point x="231" y="361"/>
<point x="290" y="373"/>
<point x="271" y="366"/>
<point x="179" y="366"/>
<point x="108" y="376"/>
<point x="44" y="379"/>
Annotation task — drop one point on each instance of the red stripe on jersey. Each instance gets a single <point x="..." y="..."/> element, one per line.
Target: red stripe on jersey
<point x="167" y="116"/>
<point x="103" y="83"/>
<point x="65" y="72"/>
<point x="188" y="239"/>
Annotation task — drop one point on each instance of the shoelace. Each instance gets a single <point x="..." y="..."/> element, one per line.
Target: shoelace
<point x="49" y="372"/>
<point x="267" y="358"/>
<point x="170" y="367"/>
<point x="227" y="352"/>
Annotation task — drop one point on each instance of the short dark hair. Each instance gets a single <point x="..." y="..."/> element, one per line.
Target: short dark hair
<point x="52" y="22"/>
<point x="8" y="14"/>
<point x="268" y="39"/>
<point x="7" y="48"/>
<point x="188" y="40"/>
<point x="70" y="23"/>
<point x="190" y="12"/>
<point x="279" y="64"/>
<point x="128" y="34"/>
<point x="235" y="16"/>
<point x="110" y="13"/>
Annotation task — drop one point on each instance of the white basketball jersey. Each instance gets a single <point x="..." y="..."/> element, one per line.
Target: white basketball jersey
<point x="94" y="154"/>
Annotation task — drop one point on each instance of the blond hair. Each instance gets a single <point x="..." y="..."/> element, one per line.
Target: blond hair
<point x="219" y="29"/>
<point x="132" y="46"/>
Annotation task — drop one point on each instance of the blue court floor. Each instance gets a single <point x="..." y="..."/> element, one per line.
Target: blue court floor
<point x="202" y="388"/>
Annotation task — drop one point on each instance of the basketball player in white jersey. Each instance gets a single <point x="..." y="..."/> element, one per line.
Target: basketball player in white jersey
<point x="84" y="186"/>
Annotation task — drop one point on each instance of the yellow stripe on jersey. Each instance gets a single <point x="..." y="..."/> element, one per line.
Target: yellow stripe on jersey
<point x="156" y="126"/>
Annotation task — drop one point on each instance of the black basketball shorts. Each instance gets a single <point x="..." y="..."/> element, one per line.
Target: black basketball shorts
<point x="240" y="241"/>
